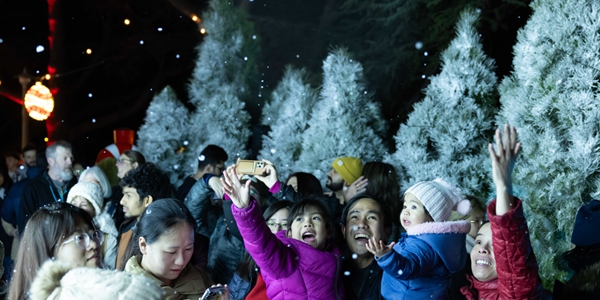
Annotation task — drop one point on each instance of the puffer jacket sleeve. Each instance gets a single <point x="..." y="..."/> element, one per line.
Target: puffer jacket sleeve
<point x="516" y="264"/>
<point x="272" y="256"/>
<point x="284" y="192"/>
<point x="407" y="261"/>
<point x="238" y="288"/>
<point x="199" y="202"/>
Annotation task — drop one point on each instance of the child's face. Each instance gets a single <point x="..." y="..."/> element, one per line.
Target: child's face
<point x="84" y="204"/>
<point x="310" y="227"/>
<point x="413" y="212"/>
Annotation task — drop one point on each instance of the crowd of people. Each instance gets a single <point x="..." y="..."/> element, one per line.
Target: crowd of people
<point x="69" y="234"/>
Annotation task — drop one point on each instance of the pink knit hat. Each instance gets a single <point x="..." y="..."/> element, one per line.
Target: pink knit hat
<point x="440" y="198"/>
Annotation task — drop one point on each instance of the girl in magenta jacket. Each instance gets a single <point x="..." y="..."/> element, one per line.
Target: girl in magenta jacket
<point x="298" y="263"/>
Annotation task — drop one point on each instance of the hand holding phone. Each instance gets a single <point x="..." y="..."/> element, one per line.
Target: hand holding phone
<point x="250" y="167"/>
<point x="218" y="292"/>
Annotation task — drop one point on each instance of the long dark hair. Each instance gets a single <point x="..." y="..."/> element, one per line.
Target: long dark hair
<point x="308" y="184"/>
<point x="135" y="156"/>
<point x="383" y="185"/>
<point x="158" y="218"/>
<point x="46" y="230"/>
<point x="248" y="264"/>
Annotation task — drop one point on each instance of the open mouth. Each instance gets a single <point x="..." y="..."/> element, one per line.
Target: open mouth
<point x="405" y="222"/>
<point x="308" y="237"/>
<point x="361" y="237"/>
<point x="483" y="262"/>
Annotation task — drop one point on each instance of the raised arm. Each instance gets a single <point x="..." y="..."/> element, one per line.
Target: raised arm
<point x="267" y="250"/>
<point x="503" y="162"/>
<point x="238" y="193"/>
<point x="516" y="264"/>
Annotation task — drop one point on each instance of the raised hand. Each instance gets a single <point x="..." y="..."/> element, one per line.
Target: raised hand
<point x="503" y="162"/>
<point x="270" y="178"/>
<point x="357" y="187"/>
<point x="379" y="248"/>
<point x="239" y="194"/>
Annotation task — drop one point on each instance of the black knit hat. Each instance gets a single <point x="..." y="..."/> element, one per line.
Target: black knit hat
<point x="587" y="223"/>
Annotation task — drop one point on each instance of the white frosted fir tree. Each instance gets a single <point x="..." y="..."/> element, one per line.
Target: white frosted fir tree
<point x="163" y="137"/>
<point x="219" y="82"/>
<point x="345" y="121"/>
<point x="552" y="99"/>
<point x="287" y="114"/>
<point x="447" y="133"/>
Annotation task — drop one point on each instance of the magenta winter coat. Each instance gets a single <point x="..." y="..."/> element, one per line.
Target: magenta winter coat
<point x="291" y="269"/>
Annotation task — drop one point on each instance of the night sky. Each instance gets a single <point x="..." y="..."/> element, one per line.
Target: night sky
<point x="112" y="87"/>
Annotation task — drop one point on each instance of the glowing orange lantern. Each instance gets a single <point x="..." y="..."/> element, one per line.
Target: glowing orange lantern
<point x="39" y="102"/>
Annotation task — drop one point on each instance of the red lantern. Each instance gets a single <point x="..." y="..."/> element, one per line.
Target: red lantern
<point x="39" y="102"/>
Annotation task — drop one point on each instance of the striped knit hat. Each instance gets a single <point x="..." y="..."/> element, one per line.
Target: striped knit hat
<point x="440" y="199"/>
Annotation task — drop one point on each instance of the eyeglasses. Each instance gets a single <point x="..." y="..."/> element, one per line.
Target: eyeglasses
<point x="272" y="224"/>
<point x="82" y="240"/>
<point x="480" y="222"/>
<point x="122" y="160"/>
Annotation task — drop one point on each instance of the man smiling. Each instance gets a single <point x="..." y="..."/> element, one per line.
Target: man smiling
<point x="362" y="219"/>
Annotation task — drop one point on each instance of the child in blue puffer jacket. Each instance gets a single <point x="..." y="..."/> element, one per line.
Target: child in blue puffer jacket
<point x="420" y="265"/>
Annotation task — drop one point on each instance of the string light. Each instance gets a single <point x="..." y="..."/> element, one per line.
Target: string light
<point x="195" y="19"/>
<point x="88" y="51"/>
<point x="127" y="22"/>
<point x="48" y="76"/>
<point x="46" y="139"/>
<point x="202" y="30"/>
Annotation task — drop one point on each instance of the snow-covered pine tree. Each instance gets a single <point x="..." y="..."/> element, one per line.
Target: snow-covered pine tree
<point x="163" y="137"/>
<point x="219" y="82"/>
<point x="345" y="121"/>
<point x="552" y="99"/>
<point x="287" y="114"/>
<point x="447" y="133"/>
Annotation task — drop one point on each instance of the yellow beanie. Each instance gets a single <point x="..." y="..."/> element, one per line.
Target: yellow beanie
<point x="350" y="168"/>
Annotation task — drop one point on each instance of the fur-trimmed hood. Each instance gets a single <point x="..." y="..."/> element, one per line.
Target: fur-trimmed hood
<point x="56" y="280"/>
<point x="440" y="227"/>
<point x="585" y="284"/>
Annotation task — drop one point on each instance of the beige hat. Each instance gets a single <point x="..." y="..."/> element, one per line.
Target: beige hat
<point x="55" y="280"/>
<point x="90" y="191"/>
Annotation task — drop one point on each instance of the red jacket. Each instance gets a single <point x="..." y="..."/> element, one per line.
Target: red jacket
<point x="516" y="265"/>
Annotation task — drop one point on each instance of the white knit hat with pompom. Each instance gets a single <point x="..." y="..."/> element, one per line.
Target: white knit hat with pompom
<point x="440" y="198"/>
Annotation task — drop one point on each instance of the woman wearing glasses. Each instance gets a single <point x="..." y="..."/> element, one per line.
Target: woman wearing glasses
<point x="58" y="231"/>
<point x="247" y="283"/>
<point x="130" y="159"/>
<point x="477" y="217"/>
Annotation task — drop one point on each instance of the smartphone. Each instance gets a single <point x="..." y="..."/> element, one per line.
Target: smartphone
<point x="251" y="167"/>
<point x="216" y="293"/>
